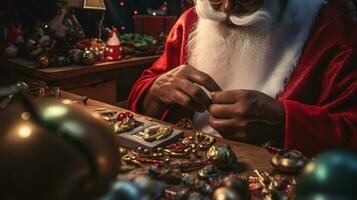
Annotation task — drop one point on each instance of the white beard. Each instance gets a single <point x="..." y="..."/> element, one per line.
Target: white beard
<point x="257" y="54"/>
<point x="234" y="56"/>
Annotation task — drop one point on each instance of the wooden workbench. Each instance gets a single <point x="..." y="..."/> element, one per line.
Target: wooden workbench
<point x="108" y="82"/>
<point x="252" y="157"/>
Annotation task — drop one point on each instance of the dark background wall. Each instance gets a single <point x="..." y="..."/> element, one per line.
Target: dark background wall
<point x="28" y="12"/>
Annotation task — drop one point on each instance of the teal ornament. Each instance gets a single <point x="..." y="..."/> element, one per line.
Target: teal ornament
<point x="124" y="190"/>
<point x="331" y="176"/>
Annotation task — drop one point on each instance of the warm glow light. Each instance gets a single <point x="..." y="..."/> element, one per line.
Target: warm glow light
<point x="121" y="3"/>
<point x="73" y="127"/>
<point x="67" y="101"/>
<point x="135" y="12"/>
<point x="25" y="115"/>
<point x="122" y="28"/>
<point x="310" y="167"/>
<point x="24" y="131"/>
<point x="102" y="160"/>
<point x="55" y="111"/>
<point x="96" y="115"/>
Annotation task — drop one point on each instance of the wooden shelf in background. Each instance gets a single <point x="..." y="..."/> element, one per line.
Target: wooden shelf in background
<point x="109" y="82"/>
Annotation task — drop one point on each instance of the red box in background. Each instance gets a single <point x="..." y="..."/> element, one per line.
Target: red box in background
<point x="154" y="25"/>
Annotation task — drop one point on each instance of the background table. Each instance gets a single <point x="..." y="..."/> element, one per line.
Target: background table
<point x="108" y="82"/>
<point x="252" y="157"/>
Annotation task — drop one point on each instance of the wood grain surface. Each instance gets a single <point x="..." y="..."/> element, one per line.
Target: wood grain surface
<point x="251" y="157"/>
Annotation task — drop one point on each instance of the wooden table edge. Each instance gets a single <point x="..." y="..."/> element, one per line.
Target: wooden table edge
<point x="51" y="74"/>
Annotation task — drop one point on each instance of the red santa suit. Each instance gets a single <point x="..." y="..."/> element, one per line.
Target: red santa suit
<point x="319" y="91"/>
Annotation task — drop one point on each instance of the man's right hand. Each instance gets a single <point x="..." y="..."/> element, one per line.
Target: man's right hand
<point x="179" y="86"/>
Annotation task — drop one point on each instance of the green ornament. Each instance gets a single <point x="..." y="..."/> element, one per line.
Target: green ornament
<point x="88" y="57"/>
<point x="332" y="175"/>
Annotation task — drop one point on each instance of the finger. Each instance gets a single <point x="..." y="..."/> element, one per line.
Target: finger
<point x="221" y="111"/>
<point x="204" y="80"/>
<point x="195" y="92"/>
<point x="239" y="135"/>
<point x="184" y="100"/>
<point x="228" y="97"/>
<point x="228" y="125"/>
<point x="227" y="128"/>
<point x="222" y="125"/>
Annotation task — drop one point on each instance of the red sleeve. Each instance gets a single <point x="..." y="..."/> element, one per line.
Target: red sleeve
<point x="173" y="56"/>
<point x="332" y="122"/>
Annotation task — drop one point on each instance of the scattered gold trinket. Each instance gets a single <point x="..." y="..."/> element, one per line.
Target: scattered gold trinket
<point x="122" y="151"/>
<point x="124" y="125"/>
<point x="156" y="133"/>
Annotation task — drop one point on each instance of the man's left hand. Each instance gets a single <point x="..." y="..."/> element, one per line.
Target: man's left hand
<point x="246" y="115"/>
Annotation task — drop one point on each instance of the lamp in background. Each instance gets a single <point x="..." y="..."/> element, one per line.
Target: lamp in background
<point x="98" y="5"/>
<point x="87" y="4"/>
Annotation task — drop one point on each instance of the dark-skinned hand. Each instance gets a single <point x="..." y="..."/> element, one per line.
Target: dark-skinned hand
<point x="247" y="116"/>
<point x="179" y="86"/>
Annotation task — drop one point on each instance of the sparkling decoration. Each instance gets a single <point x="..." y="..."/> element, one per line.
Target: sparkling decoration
<point x="156" y="133"/>
<point x="125" y="122"/>
<point x="44" y="29"/>
<point x="222" y="156"/>
<point x="124" y="125"/>
<point x="88" y="57"/>
<point x="122" y="115"/>
<point x="95" y="45"/>
<point x="185" y="123"/>
<point x="44" y="61"/>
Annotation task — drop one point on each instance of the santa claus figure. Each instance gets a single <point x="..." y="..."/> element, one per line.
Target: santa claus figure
<point x="113" y="49"/>
<point x="257" y="71"/>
